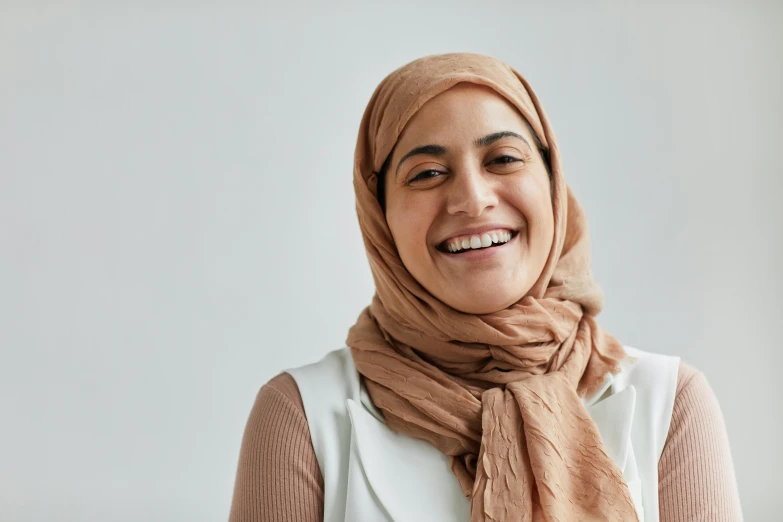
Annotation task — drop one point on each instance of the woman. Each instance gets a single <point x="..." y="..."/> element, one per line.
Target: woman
<point x="478" y="385"/>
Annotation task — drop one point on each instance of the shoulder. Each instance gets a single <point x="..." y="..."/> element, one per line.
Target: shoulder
<point x="694" y="397"/>
<point x="278" y="405"/>
<point x="683" y="386"/>
<point x="691" y="379"/>
<point x="284" y="386"/>
<point x="690" y="383"/>
<point x="696" y="470"/>
<point x="279" y="402"/>
<point x="697" y="431"/>
<point x="282" y="402"/>
<point x="695" y="404"/>
<point x="324" y="385"/>
<point x="653" y="374"/>
<point x="277" y="461"/>
<point x="277" y="411"/>
<point x="336" y="364"/>
<point x="688" y="377"/>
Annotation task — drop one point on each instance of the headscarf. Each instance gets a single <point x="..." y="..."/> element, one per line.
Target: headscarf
<point x="498" y="393"/>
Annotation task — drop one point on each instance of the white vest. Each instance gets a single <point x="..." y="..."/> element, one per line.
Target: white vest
<point x="372" y="473"/>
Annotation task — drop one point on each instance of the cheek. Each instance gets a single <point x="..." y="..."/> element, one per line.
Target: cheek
<point x="533" y="199"/>
<point x="409" y="220"/>
<point x="541" y="212"/>
<point x="545" y="227"/>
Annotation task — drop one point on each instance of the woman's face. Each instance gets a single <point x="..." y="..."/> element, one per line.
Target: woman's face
<point x="468" y="200"/>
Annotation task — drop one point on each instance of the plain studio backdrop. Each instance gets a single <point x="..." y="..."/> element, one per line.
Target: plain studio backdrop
<point x="177" y="218"/>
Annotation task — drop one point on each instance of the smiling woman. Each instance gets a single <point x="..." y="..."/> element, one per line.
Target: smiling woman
<point x="480" y="177"/>
<point x="478" y="384"/>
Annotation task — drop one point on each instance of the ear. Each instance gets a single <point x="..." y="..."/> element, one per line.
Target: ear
<point x="372" y="183"/>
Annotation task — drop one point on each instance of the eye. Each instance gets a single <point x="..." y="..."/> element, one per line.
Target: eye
<point x="425" y="175"/>
<point x="505" y="160"/>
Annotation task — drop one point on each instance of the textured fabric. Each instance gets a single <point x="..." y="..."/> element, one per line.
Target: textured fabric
<point x="498" y="393"/>
<point x="696" y="479"/>
<point x="278" y="478"/>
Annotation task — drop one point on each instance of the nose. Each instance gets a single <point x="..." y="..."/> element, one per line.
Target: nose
<point x="471" y="193"/>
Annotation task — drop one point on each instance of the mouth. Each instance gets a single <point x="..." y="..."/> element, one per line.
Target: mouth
<point x="461" y="245"/>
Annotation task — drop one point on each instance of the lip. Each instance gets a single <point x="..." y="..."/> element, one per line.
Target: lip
<point x="476" y="231"/>
<point x="481" y="254"/>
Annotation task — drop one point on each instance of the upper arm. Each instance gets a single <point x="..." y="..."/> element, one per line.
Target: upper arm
<point x="696" y="478"/>
<point x="278" y="477"/>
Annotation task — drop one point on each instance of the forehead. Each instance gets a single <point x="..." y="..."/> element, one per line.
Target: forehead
<point x="465" y="111"/>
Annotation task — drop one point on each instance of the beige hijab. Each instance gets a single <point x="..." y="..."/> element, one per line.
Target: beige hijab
<point x="498" y="393"/>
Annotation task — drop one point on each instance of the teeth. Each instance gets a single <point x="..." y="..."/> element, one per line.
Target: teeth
<point x="475" y="242"/>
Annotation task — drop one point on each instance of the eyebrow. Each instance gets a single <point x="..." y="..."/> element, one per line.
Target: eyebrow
<point x="440" y="150"/>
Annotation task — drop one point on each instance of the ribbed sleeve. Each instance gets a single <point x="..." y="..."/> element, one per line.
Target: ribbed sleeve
<point x="278" y="477"/>
<point x="696" y="480"/>
<point x="279" y="480"/>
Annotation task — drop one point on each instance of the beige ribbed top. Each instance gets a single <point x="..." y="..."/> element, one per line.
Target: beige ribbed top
<point x="279" y="480"/>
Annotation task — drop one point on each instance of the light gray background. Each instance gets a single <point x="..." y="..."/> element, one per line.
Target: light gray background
<point x="177" y="222"/>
